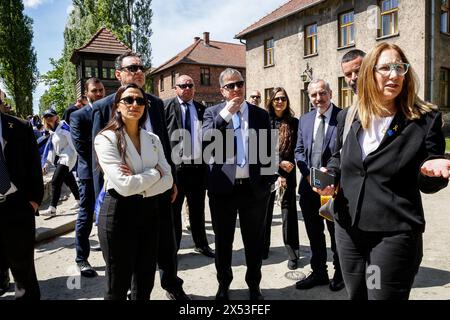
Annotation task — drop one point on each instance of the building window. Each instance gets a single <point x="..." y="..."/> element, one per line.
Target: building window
<point x="346" y="95"/>
<point x="173" y="77"/>
<point x="90" y="68"/>
<point x="269" y="54"/>
<point x="108" y="70"/>
<point x="389" y="18"/>
<point x="444" y="88"/>
<point x="161" y="83"/>
<point x="311" y="39"/>
<point x="346" y="29"/>
<point x="205" y="76"/>
<point x="445" y="16"/>
<point x="267" y="93"/>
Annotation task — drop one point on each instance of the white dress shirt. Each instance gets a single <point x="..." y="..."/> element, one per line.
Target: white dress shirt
<point x="196" y="128"/>
<point x="317" y="121"/>
<point x="370" y="139"/>
<point x="13" y="188"/>
<point x="146" y="179"/>
<point x="244" y="172"/>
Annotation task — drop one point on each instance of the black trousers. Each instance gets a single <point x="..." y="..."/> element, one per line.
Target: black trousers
<point x="60" y="176"/>
<point x="85" y="220"/>
<point x="191" y="184"/>
<point x="378" y="265"/>
<point x="290" y="223"/>
<point x="167" y="251"/>
<point x="17" y="236"/>
<point x="315" y="227"/>
<point x="252" y="217"/>
<point x="128" y="233"/>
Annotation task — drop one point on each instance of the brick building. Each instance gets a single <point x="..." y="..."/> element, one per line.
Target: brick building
<point x="306" y="39"/>
<point x="204" y="60"/>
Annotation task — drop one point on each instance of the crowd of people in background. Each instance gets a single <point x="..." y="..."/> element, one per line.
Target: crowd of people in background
<point x="131" y="160"/>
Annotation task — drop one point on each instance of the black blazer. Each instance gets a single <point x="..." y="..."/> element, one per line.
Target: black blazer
<point x="68" y="112"/>
<point x="22" y="157"/>
<point x="305" y="138"/>
<point x="81" y="132"/>
<point x="382" y="193"/>
<point x="101" y="115"/>
<point x="221" y="175"/>
<point x="172" y="109"/>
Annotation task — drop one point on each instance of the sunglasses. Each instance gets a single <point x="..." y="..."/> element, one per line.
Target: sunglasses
<point x="255" y="97"/>
<point x="184" y="86"/>
<point x="234" y="85"/>
<point x="283" y="99"/>
<point x="134" y="68"/>
<point x="129" y="101"/>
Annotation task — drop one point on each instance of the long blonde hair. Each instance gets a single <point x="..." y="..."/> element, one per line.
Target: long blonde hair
<point x="369" y="103"/>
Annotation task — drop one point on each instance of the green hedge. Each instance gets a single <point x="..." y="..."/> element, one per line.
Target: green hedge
<point x="447" y="144"/>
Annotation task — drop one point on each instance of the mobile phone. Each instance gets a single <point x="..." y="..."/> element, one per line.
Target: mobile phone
<point x="321" y="180"/>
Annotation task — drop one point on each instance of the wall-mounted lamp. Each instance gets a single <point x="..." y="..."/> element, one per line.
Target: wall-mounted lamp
<point x="307" y="74"/>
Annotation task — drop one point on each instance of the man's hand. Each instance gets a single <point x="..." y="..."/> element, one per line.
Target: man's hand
<point x="328" y="191"/>
<point x="174" y="194"/>
<point x="282" y="182"/>
<point x="234" y="105"/>
<point x="287" y="166"/>
<point x="436" y="168"/>
<point x="34" y="205"/>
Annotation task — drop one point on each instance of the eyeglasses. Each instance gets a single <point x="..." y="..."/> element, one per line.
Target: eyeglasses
<point x="234" y="85"/>
<point x="255" y="97"/>
<point x="129" y="101"/>
<point x="385" y="69"/>
<point x="283" y="99"/>
<point x="134" y="68"/>
<point x="184" y="86"/>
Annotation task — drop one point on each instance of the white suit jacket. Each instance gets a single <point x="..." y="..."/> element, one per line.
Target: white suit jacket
<point x="146" y="180"/>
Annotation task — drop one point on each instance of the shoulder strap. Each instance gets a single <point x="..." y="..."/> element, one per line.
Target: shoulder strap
<point x="350" y="116"/>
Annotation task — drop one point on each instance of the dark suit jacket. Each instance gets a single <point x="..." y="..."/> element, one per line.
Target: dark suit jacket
<point x="68" y="112"/>
<point x="81" y="132"/>
<point x="101" y="115"/>
<point x="172" y="109"/>
<point x="304" y="146"/>
<point x="382" y="193"/>
<point x="22" y="157"/>
<point x="221" y="176"/>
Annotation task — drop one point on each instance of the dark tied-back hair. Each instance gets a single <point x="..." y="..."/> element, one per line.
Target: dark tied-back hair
<point x="116" y="123"/>
<point x="286" y="130"/>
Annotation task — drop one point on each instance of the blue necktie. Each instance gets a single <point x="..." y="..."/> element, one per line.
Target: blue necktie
<point x="5" y="182"/>
<point x="240" y="148"/>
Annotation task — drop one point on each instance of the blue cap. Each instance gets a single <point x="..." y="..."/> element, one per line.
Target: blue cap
<point x="49" y="113"/>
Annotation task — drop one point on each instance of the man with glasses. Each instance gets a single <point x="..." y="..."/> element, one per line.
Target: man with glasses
<point x="81" y="133"/>
<point x="255" y="98"/>
<point x="316" y="141"/>
<point x="129" y="69"/>
<point x="238" y="186"/>
<point x="183" y="112"/>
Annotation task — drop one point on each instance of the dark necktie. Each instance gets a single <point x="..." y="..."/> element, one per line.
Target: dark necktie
<point x="316" y="156"/>
<point x="188" y="128"/>
<point x="5" y="183"/>
<point x="240" y="146"/>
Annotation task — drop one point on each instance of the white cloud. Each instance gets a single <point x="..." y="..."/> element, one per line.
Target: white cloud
<point x="176" y="23"/>
<point x="69" y="9"/>
<point x="33" y="3"/>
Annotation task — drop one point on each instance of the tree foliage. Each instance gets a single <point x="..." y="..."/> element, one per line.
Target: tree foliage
<point x="18" y="70"/>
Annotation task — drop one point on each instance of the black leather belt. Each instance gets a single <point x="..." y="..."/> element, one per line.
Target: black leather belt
<point x="238" y="182"/>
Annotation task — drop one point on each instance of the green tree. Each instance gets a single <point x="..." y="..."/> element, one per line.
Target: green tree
<point x="18" y="70"/>
<point x="54" y="97"/>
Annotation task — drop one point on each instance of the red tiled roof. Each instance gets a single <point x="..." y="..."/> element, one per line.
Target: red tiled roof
<point x="105" y="42"/>
<point x="287" y="9"/>
<point x="216" y="54"/>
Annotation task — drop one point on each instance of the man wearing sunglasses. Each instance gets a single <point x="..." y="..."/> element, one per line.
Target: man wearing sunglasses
<point x="129" y="69"/>
<point x="238" y="186"/>
<point x="183" y="112"/>
<point x="255" y="98"/>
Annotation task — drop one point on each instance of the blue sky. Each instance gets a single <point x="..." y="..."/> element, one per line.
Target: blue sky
<point x="175" y="24"/>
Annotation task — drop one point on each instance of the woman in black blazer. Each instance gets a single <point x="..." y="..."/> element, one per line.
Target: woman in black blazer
<point x="394" y="150"/>
<point x="282" y="118"/>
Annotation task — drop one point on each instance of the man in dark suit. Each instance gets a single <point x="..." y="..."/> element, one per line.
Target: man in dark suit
<point x="21" y="193"/>
<point x="81" y="132"/>
<point x="183" y="112"/>
<point x="81" y="102"/>
<point x="238" y="182"/>
<point x="315" y="144"/>
<point x="129" y="69"/>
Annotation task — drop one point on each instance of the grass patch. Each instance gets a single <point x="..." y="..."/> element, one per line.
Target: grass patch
<point x="447" y="144"/>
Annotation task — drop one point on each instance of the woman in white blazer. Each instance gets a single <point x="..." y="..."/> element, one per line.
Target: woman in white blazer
<point x="135" y="171"/>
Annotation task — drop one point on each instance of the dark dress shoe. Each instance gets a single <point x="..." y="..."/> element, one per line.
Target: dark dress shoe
<point x="255" y="294"/>
<point x="293" y="264"/>
<point x="222" y="294"/>
<point x="86" y="269"/>
<point x="177" y="294"/>
<point x="314" y="279"/>
<point x="4" y="285"/>
<point x="206" y="251"/>
<point x="337" y="283"/>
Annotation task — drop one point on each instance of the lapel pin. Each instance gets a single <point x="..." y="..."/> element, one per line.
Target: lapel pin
<point x="10" y="125"/>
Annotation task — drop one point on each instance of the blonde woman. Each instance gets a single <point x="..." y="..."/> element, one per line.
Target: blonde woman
<point x="135" y="172"/>
<point x="394" y="150"/>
